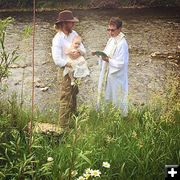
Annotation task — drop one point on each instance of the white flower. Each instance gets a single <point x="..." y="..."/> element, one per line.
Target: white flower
<point x="86" y="175"/>
<point x="88" y="171"/>
<point x="81" y="178"/>
<point x="95" y="173"/>
<point x="106" y="165"/>
<point x="74" y="173"/>
<point x="49" y="159"/>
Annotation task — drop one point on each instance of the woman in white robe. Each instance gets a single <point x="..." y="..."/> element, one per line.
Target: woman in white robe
<point x="114" y="68"/>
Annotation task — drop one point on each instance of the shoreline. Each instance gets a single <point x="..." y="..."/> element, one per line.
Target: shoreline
<point x="86" y="8"/>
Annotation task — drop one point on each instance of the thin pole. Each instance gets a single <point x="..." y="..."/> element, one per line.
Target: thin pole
<point x="33" y="72"/>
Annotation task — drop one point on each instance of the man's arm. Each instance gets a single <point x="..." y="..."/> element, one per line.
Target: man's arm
<point x="57" y="53"/>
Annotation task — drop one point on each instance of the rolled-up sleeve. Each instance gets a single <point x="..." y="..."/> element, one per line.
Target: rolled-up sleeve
<point x="57" y="53"/>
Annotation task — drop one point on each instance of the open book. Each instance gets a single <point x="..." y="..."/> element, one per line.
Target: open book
<point x="99" y="53"/>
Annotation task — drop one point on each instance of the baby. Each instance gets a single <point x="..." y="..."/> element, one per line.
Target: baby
<point x="79" y="66"/>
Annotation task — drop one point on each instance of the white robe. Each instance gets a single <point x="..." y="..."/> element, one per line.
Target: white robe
<point x="114" y="74"/>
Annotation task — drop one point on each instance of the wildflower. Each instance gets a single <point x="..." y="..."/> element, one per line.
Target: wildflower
<point x="106" y="165"/>
<point x="88" y="171"/>
<point x="49" y="159"/>
<point x="134" y="134"/>
<point x="86" y="175"/>
<point x="74" y="173"/>
<point x="95" y="173"/>
<point x="81" y="178"/>
<point x="110" y="139"/>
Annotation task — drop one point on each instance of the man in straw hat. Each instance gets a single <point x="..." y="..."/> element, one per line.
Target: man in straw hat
<point x="62" y="41"/>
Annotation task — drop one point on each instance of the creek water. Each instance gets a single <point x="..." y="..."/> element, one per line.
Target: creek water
<point x="147" y="31"/>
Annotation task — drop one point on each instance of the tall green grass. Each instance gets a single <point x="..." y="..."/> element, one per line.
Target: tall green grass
<point x="137" y="147"/>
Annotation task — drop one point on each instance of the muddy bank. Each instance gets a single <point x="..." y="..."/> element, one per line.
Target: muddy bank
<point x="153" y="38"/>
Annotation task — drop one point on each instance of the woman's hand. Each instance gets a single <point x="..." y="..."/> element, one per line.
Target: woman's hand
<point x="105" y="58"/>
<point x="93" y="53"/>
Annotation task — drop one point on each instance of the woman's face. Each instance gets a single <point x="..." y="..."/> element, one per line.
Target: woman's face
<point x="113" y="30"/>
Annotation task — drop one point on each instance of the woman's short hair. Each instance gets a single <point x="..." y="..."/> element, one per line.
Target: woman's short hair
<point x="115" y="21"/>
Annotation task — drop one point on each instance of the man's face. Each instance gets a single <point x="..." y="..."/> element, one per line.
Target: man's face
<point x="113" y="30"/>
<point x="68" y="26"/>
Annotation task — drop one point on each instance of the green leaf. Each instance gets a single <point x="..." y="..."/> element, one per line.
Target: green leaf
<point x="122" y="167"/>
<point x="1" y="174"/>
<point x="85" y="158"/>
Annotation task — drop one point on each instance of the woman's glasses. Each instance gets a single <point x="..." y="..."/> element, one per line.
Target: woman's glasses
<point x="112" y="30"/>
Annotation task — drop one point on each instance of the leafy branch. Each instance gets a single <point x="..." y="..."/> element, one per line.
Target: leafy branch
<point x="6" y="58"/>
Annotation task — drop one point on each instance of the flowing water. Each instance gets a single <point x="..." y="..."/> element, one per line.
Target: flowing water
<point x="147" y="31"/>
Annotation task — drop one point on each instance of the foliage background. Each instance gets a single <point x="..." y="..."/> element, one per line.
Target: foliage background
<point x="86" y="3"/>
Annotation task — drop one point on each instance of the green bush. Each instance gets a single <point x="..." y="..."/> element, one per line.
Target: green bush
<point x="15" y="3"/>
<point x="81" y="3"/>
<point x="6" y="58"/>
